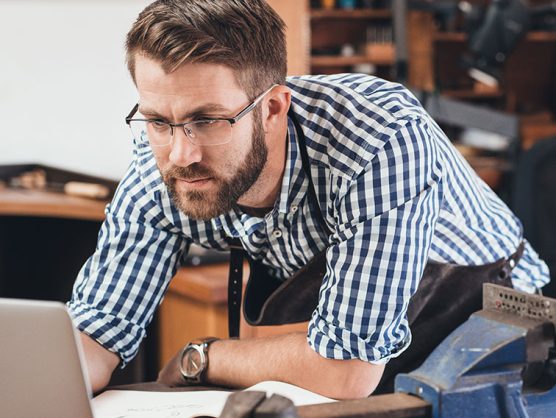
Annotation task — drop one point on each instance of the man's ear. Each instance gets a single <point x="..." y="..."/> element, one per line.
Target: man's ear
<point x="276" y="109"/>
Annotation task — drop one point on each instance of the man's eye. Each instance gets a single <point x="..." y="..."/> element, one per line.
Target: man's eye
<point x="158" y="125"/>
<point x="206" y="124"/>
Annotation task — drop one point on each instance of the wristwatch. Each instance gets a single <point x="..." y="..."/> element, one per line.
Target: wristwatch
<point x="194" y="360"/>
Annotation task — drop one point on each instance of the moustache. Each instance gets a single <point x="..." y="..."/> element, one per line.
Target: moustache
<point x="192" y="172"/>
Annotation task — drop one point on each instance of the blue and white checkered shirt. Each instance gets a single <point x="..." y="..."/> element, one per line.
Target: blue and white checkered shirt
<point x="392" y="188"/>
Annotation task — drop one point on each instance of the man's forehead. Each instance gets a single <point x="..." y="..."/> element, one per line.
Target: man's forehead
<point x="212" y="83"/>
<point x="190" y="88"/>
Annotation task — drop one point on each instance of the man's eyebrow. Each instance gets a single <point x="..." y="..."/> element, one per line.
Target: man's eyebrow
<point x="147" y="111"/>
<point x="201" y="110"/>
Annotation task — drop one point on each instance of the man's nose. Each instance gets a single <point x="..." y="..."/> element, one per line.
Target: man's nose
<point x="183" y="152"/>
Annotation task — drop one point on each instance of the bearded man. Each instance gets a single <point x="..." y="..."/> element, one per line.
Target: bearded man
<point x="353" y="208"/>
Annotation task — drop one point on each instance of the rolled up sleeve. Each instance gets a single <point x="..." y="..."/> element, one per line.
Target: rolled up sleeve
<point x="385" y="223"/>
<point x="122" y="283"/>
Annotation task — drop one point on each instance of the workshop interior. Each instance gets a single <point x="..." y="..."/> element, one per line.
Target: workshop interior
<point x="486" y="72"/>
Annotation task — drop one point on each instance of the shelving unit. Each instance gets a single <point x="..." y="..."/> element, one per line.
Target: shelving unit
<point x="526" y="89"/>
<point x="335" y="30"/>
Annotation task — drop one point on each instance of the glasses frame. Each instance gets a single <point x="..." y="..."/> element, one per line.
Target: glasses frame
<point x="233" y="120"/>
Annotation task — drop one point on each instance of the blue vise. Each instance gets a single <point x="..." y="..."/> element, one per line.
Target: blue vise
<point x="500" y="363"/>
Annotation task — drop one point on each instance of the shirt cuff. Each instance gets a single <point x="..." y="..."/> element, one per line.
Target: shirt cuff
<point x="114" y="334"/>
<point x="341" y="344"/>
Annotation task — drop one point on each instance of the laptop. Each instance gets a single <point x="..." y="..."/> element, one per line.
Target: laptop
<point x="42" y="371"/>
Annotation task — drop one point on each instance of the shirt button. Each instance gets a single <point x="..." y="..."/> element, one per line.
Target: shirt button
<point x="276" y="233"/>
<point x="294" y="208"/>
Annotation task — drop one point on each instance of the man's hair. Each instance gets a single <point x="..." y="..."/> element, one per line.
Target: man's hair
<point x="245" y="35"/>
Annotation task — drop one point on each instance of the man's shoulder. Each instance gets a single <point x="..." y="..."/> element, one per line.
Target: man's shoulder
<point x="350" y="117"/>
<point x="359" y="93"/>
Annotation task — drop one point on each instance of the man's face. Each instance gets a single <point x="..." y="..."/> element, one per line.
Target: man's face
<point x="204" y="181"/>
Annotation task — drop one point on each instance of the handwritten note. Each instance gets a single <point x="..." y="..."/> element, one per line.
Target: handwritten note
<point x="134" y="404"/>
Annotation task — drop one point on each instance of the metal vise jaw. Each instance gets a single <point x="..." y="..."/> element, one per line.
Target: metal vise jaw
<point x="500" y="363"/>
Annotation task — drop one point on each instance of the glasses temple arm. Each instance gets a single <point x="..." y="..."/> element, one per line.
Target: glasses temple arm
<point x="252" y="105"/>
<point x="132" y="113"/>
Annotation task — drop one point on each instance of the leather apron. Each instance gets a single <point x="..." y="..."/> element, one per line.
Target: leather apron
<point x="445" y="298"/>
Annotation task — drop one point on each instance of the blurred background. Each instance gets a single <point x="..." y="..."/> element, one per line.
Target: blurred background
<point x="484" y="69"/>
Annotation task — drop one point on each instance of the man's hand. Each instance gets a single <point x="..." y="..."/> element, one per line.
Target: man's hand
<point x="170" y="374"/>
<point x="287" y="358"/>
<point x="100" y="362"/>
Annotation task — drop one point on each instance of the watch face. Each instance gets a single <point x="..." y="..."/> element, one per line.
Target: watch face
<point x="193" y="361"/>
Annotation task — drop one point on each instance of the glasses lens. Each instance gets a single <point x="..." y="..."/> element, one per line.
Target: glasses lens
<point x="157" y="133"/>
<point x="209" y="132"/>
<point x="139" y="131"/>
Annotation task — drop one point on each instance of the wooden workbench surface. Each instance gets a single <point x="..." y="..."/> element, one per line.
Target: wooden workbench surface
<point x="20" y="202"/>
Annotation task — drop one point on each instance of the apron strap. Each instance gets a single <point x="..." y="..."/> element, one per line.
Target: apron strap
<point x="235" y="287"/>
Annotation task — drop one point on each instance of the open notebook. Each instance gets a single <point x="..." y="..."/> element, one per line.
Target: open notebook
<point x="132" y="404"/>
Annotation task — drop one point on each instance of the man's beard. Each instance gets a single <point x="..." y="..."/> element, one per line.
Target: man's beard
<point x="202" y="205"/>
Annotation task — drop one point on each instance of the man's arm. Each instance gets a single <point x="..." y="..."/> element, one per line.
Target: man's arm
<point x="100" y="362"/>
<point x="287" y="358"/>
<point x="121" y="284"/>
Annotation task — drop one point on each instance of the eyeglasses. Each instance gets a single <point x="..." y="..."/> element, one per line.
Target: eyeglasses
<point x="204" y="132"/>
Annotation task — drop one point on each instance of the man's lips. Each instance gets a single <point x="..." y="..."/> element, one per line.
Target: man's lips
<point x="194" y="183"/>
<point x="195" y="180"/>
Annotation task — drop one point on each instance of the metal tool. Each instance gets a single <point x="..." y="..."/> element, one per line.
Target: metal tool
<point x="500" y="363"/>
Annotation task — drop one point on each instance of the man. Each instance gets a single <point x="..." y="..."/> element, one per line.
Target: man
<point x="380" y="196"/>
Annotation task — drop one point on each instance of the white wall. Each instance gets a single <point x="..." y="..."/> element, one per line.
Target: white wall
<point x="64" y="86"/>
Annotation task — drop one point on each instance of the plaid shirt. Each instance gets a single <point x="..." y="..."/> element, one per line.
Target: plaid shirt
<point x="391" y="187"/>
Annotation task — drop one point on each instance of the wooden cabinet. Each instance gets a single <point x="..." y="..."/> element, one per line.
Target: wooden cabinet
<point x="336" y="40"/>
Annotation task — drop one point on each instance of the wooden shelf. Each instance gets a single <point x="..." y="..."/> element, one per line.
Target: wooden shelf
<point x="350" y="14"/>
<point x="340" y="61"/>
<point x="537" y="36"/>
